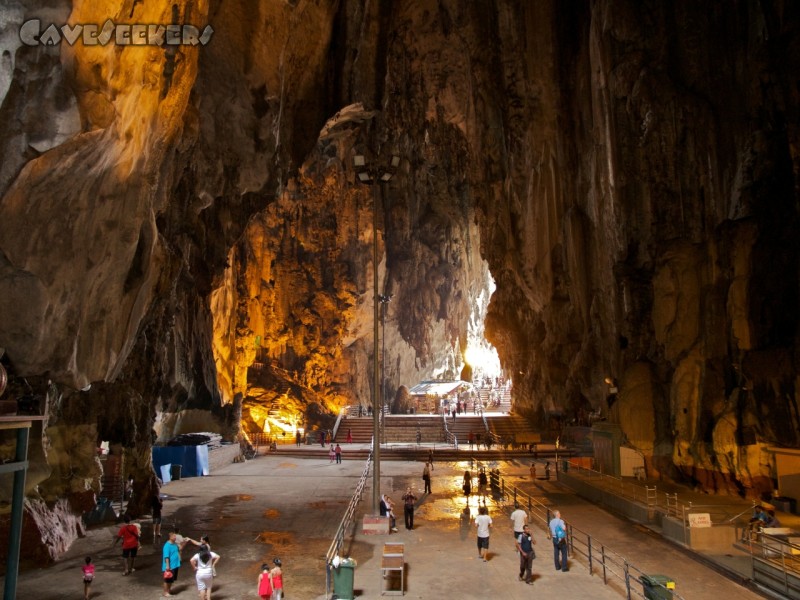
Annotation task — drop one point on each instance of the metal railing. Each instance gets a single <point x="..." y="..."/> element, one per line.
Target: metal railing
<point x="449" y="437"/>
<point x="342" y="413"/>
<point x="776" y="563"/>
<point x="616" y="570"/>
<point x="339" y="537"/>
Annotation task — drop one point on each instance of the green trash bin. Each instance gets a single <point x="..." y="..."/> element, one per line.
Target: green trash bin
<point x="565" y="466"/>
<point x="175" y="472"/>
<point x="658" y="587"/>
<point x="343" y="580"/>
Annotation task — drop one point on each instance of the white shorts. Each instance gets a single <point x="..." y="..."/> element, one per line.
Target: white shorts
<point x="204" y="582"/>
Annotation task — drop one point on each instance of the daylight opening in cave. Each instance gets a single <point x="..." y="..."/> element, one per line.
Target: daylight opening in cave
<point x="479" y="354"/>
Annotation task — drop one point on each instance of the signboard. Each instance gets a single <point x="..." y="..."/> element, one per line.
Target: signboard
<point x="699" y="520"/>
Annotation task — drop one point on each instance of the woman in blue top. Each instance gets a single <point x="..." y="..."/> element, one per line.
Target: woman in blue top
<point x="171" y="563"/>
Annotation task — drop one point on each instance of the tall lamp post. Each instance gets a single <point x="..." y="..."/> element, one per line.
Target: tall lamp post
<point x="375" y="175"/>
<point x="384" y="300"/>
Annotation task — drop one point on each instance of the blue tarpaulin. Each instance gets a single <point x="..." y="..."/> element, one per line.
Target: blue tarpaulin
<point x="193" y="460"/>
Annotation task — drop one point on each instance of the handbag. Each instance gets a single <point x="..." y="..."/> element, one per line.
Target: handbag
<point x="168" y="574"/>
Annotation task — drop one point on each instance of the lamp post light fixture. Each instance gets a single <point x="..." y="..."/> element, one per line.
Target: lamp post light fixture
<point x="373" y="175"/>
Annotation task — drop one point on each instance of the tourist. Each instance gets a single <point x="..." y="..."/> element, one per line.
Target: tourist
<point x="298" y="438"/>
<point x="426" y="476"/>
<point x="264" y="583"/>
<point x="338" y="454"/>
<point x="170" y="563"/>
<point x="519" y="518"/>
<point x="524" y="543"/>
<point x="129" y="534"/>
<point x="156" y="506"/>
<point x="386" y="509"/>
<point x="471" y="439"/>
<point x="349" y="436"/>
<point x="482" y="483"/>
<point x="533" y="471"/>
<point x="276" y="579"/>
<point x="467" y="486"/>
<point x="204" y="563"/>
<point x="88" y="576"/>
<point x="331" y="454"/>
<point x="558" y="533"/>
<point x="484" y="524"/>
<point x="409" y="499"/>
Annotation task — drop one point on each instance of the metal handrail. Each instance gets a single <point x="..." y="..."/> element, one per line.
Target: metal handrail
<point x="344" y="524"/>
<point x="449" y="437"/>
<point x="616" y="569"/>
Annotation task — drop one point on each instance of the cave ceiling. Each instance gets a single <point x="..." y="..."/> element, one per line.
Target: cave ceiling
<point x="184" y="239"/>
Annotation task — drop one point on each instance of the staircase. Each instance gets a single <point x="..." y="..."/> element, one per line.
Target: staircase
<point x="403" y="429"/>
<point x="359" y="427"/>
<point x="507" y="427"/>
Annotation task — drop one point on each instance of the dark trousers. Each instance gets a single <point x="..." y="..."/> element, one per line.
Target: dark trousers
<point x="525" y="566"/>
<point x="408" y="512"/>
<point x="339" y="459"/>
<point x="427" y="480"/>
<point x="561" y="565"/>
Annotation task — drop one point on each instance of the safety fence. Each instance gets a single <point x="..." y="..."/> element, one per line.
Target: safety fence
<point x="345" y="524"/>
<point x="616" y="570"/>
<point x="776" y="563"/>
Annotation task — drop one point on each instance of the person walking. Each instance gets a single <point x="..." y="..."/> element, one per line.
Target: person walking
<point x="88" y="577"/>
<point x="409" y="499"/>
<point x="484" y="524"/>
<point x="264" y="583"/>
<point x="349" y="436"/>
<point x="525" y="544"/>
<point x="558" y="533"/>
<point x="331" y="455"/>
<point x="170" y="563"/>
<point x="276" y="578"/>
<point x="338" y="454"/>
<point x="467" y="486"/>
<point x="471" y="439"/>
<point x="520" y="518"/>
<point x="426" y="476"/>
<point x="204" y="564"/>
<point x="156" y="505"/>
<point x="482" y="483"/>
<point x="298" y="438"/>
<point x="129" y="534"/>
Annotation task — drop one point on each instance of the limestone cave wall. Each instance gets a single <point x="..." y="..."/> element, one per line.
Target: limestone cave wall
<point x="183" y="239"/>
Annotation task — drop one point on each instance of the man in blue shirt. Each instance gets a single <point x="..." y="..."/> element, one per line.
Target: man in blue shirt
<point x="171" y="561"/>
<point x="558" y="533"/>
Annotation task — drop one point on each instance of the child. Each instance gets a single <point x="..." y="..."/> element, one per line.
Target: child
<point x="276" y="577"/>
<point x="264" y="583"/>
<point x="88" y="577"/>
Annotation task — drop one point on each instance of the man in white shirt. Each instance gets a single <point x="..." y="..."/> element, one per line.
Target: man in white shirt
<point x="484" y="523"/>
<point x="520" y="519"/>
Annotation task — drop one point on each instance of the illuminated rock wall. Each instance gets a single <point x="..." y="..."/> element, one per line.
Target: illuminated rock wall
<point x="627" y="171"/>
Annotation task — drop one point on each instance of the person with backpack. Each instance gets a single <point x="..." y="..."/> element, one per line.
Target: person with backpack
<point x="524" y="543"/>
<point x="558" y="533"/>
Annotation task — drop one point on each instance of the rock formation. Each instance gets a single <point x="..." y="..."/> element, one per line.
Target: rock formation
<point x="184" y="243"/>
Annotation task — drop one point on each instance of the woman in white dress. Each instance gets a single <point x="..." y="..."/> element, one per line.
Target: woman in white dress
<point x="204" y="563"/>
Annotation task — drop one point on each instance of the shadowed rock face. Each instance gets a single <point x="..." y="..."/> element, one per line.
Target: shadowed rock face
<point x="183" y="230"/>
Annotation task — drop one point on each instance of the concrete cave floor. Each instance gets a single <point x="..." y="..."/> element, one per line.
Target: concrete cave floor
<point x="288" y="507"/>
